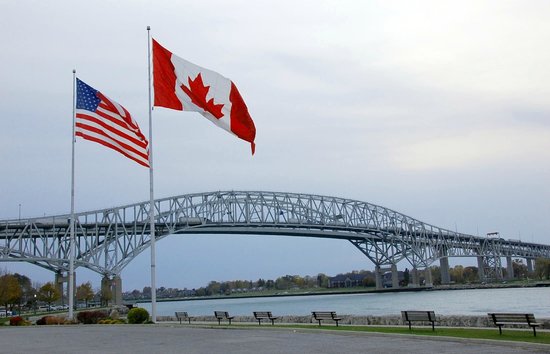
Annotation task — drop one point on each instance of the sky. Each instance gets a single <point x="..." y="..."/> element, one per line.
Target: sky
<point x="436" y="109"/>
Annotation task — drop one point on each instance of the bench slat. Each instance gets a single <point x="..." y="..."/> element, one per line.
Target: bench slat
<point x="182" y="315"/>
<point x="419" y="316"/>
<point x="223" y="315"/>
<point x="264" y="315"/>
<point x="507" y="318"/>
<point x="326" y="315"/>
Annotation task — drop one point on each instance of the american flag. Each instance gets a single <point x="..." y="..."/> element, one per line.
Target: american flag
<point x="106" y="122"/>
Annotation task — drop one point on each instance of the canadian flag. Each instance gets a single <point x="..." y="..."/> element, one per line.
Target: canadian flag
<point x="184" y="86"/>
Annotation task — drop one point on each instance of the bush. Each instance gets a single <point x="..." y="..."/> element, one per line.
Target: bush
<point x="90" y="317"/>
<point x="138" y="315"/>
<point x="17" y="321"/>
<point x="111" y="321"/>
<point x="54" y="320"/>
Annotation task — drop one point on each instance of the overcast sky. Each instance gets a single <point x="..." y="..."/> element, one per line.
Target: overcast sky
<point x="436" y="109"/>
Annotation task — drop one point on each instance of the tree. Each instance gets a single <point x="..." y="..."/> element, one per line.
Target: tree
<point x="470" y="274"/>
<point x="542" y="268"/>
<point x="520" y="269"/>
<point x="105" y="295"/>
<point x="322" y="280"/>
<point x="406" y="277"/>
<point x="436" y="275"/>
<point x="27" y="291"/>
<point x="48" y="293"/>
<point x="84" y="292"/>
<point x="146" y="292"/>
<point x="213" y="288"/>
<point x="10" y="291"/>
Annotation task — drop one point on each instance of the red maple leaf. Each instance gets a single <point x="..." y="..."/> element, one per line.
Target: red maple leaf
<point x="197" y="92"/>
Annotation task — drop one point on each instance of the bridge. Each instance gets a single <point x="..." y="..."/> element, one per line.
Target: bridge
<point x="108" y="239"/>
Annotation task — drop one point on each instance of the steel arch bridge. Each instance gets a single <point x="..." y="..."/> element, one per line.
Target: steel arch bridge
<point x="108" y="239"/>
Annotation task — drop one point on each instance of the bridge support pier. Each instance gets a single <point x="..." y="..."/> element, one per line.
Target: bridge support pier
<point x="106" y="294"/>
<point x="414" y="277"/>
<point x="378" y="277"/>
<point x="111" y="290"/>
<point x="428" y="277"/>
<point x="58" y="283"/>
<point x="509" y="268"/>
<point x="444" y="268"/>
<point x="394" y="276"/>
<point x="481" y="268"/>
<point x="530" y="268"/>
<point x="117" y="290"/>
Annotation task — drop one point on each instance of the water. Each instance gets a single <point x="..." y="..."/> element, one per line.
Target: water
<point x="475" y="302"/>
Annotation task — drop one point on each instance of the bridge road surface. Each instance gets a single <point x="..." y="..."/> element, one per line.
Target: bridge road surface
<point x="181" y="339"/>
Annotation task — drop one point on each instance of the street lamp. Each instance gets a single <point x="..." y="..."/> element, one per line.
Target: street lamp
<point x="34" y="304"/>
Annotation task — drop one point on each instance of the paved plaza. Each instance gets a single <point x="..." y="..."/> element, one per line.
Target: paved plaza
<point x="183" y="339"/>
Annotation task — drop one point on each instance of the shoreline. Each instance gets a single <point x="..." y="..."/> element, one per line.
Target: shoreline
<point x="351" y="292"/>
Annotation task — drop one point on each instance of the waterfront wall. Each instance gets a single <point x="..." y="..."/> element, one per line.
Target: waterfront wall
<point x="443" y="321"/>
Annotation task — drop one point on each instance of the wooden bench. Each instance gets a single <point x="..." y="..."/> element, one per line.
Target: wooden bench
<point x="183" y="316"/>
<point x="325" y="315"/>
<point x="223" y="315"/>
<point x="264" y="315"/>
<point x="418" y="316"/>
<point x="501" y="319"/>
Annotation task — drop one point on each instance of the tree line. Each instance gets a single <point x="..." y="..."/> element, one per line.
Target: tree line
<point x="18" y="292"/>
<point x="458" y="274"/>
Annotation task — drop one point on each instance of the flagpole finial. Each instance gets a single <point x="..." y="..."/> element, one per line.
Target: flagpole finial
<point x="148" y="28"/>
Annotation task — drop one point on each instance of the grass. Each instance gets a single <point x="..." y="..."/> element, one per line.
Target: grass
<point x="470" y="333"/>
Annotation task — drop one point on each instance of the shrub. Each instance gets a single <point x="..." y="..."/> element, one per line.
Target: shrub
<point x="138" y="315"/>
<point x="90" y="317"/>
<point x="17" y="321"/>
<point x="111" y="321"/>
<point x="54" y="320"/>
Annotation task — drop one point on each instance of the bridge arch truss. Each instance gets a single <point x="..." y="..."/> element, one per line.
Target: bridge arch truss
<point x="108" y="239"/>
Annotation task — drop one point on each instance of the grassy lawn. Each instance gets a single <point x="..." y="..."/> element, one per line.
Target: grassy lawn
<point x="477" y="333"/>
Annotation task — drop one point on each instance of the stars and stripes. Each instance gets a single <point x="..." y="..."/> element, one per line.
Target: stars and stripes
<point x="106" y="122"/>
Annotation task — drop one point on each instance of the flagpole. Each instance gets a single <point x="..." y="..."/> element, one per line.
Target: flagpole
<point x="152" y="198"/>
<point x="72" y="240"/>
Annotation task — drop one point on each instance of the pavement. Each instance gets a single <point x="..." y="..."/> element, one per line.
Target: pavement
<point x="175" y="338"/>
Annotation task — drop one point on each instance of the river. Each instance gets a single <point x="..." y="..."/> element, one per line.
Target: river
<point x="472" y="302"/>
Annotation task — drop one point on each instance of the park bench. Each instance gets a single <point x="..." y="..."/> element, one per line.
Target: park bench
<point x="223" y="315"/>
<point x="183" y="316"/>
<point x="418" y="316"/>
<point x="264" y="315"/>
<point x="501" y="319"/>
<point x="325" y="315"/>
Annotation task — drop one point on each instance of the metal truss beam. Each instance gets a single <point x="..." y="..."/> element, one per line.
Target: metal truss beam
<point x="107" y="240"/>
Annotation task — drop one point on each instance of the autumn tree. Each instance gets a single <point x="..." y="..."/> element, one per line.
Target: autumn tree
<point x="48" y="293"/>
<point x="470" y="274"/>
<point x="84" y="292"/>
<point x="10" y="291"/>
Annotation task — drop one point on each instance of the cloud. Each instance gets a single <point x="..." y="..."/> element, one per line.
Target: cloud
<point x="480" y="148"/>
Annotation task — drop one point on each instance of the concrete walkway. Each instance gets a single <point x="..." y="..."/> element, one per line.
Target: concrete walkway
<point x="183" y="339"/>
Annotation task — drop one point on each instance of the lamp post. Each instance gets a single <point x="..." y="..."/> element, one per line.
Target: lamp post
<point x="34" y="304"/>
